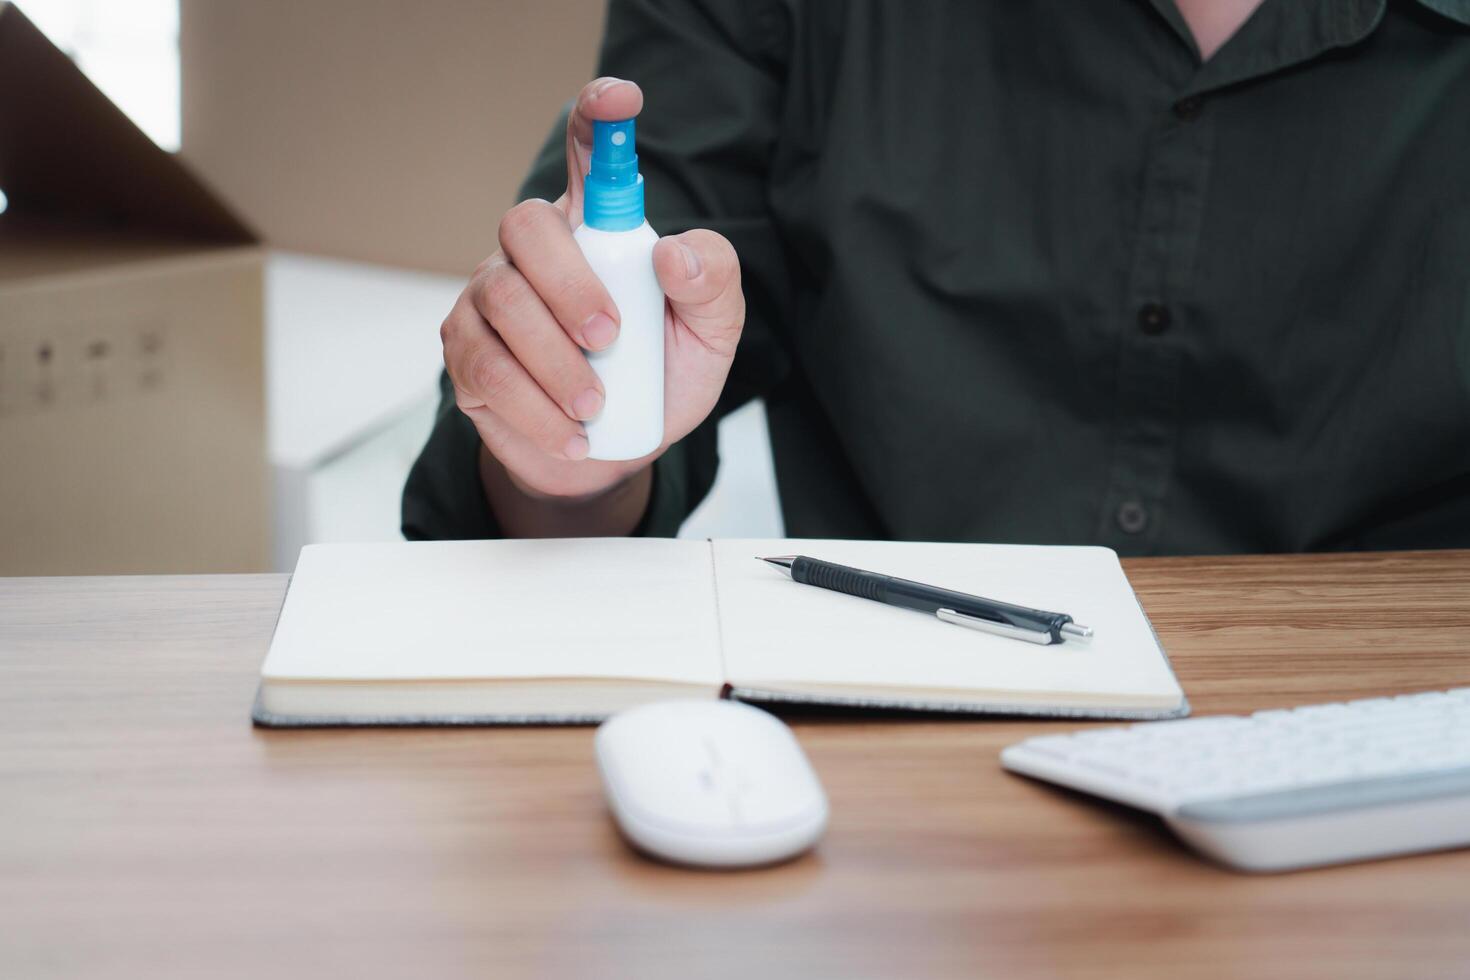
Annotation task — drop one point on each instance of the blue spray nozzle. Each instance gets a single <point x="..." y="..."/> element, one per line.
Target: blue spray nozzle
<point x="615" y="151"/>
<point x="614" y="198"/>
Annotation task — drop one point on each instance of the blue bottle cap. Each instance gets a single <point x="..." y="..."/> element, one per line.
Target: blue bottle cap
<point x="614" y="188"/>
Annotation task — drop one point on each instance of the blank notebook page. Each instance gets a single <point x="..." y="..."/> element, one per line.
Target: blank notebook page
<point x="442" y="610"/>
<point x="797" y="638"/>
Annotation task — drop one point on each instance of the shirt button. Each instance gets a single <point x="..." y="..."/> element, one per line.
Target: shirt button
<point x="1188" y="109"/>
<point x="1132" y="518"/>
<point x="1153" y="319"/>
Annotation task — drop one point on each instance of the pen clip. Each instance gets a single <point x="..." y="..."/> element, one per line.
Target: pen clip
<point x="991" y="626"/>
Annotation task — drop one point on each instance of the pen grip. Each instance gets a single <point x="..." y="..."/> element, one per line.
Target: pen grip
<point x="840" y="578"/>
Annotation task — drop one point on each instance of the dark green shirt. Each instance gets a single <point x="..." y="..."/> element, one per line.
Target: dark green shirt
<point x="1028" y="271"/>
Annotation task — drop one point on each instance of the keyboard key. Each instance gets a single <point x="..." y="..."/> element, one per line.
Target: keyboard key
<point x="1061" y="746"/>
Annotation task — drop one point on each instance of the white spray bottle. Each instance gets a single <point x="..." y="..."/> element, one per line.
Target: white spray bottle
<point x="618" y="244"/>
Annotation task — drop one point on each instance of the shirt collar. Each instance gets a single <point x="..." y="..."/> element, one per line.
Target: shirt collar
<point x="1282" y="33"/>
<point x="1458" y="10"/>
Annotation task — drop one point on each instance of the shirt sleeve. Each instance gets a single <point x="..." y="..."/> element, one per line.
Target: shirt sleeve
<point x="711" y="74"/>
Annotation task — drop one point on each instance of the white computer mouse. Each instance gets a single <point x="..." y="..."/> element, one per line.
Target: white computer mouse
<point x="710" y="783"/>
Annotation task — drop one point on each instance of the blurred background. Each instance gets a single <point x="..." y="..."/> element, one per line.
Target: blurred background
<point x="228" y="235"/>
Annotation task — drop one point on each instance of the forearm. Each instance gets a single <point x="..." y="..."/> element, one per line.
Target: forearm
<point x="522" y="513"/>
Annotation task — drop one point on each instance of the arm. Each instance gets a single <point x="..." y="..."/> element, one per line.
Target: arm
<point x="474" y="479"/>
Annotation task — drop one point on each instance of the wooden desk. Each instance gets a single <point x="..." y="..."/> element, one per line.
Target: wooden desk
<point x="147" y="830"/>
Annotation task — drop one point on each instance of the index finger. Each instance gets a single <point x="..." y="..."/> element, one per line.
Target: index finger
<point x="606" y="99"/>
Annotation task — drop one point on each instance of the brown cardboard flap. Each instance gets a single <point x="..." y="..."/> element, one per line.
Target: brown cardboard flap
<point x="66" y="151"/>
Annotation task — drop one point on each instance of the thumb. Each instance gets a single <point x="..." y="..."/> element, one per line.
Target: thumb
<point x="700" y="274"/>
<point x="607" y="99"/>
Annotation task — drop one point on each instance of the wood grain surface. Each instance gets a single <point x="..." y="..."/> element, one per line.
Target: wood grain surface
<point x="146" y="829"/>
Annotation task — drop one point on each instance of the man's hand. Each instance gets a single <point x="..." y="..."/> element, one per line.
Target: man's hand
<point x="514" y="341"/>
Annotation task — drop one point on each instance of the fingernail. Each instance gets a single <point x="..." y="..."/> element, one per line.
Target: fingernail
<point x="576" y="447"/>
<point x="587" y="404"/>
<point x="691" y="261"/>
<point x="599" y="331"/>
<point x="597" y="92"/>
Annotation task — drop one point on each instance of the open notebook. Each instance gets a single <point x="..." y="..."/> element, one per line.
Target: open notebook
<point x="571" y="630"/>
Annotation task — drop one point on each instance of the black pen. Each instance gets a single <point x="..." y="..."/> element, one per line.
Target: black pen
<point x="959" y="608"/>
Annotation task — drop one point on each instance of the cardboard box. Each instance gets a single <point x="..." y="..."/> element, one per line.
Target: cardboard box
<point x="378" y="130"/>
<point x="132" y="417"/>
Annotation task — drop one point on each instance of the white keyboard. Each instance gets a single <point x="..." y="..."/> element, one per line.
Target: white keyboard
<point x="1278" y="790"/>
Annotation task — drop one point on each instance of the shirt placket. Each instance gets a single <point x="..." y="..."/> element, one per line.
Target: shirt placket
<point x="1155" y="318"/>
